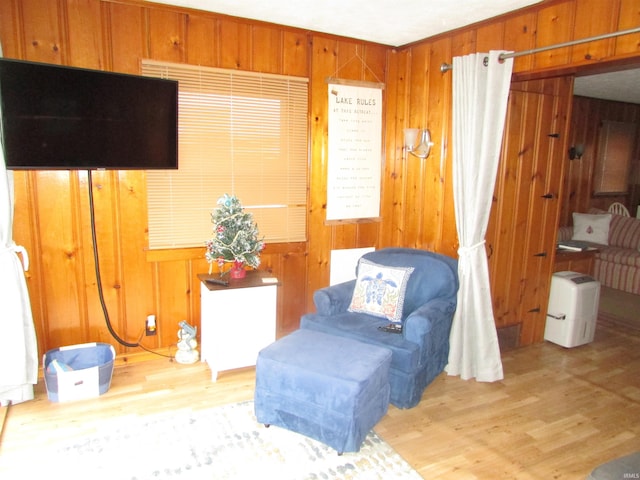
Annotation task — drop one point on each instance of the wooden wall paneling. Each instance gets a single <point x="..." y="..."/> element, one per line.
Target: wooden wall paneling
<point x="629" y="17"/>
<point x="349" y="61"/>
<point x="554" y="25"/>
<point x="368" y="233"/>
<point x="201" y="40"/>
<point x="417" y="210"/>
<point x="415" y="172"/>
<point x="526" y="127"/>
<point x="579" y="171"/>
<point x="462" y="43"/>
<point x="375" y="63"/>
<point x="126" y="44"/>
<point x="196" y="266"/>
<point x="173" y="300"/>
<point x="11" y="27"/>
<point x="395" y="157"/>
<point x="513" y="244"/>
<point x="323" y="65"/>
<point x="571" y="177"/>
<point x="293" y="300"/>
<point x="588" y="135"/>
<point x="593" y="118"/>
<point x="582" y="199"/>
<point x="526" y="273"/>
<point x="343" y="235"/>
<point x="266" y="39"/>
<point x="295" y="53"/>
<point x="235" y="43"/>
<point x="138" y="292"/>
<point x="505" y="261"/>
<point x="166" y="35"/>
<point x="490" y="37"/>
<point x="523" y="221"/>
<point x="438" y="116"/>
<point x="592" y="19"/>
<point x="447" y="243"/>
<point x="556" y="171"/>
<point x="288" y="265"/>
<point x="108" y="239"/>
<point x="41" y="40"/>
<point x="84" y="33"/>
<point x="519" y="36"/>
<point x="193" y="267"/>
<point x="588" y="114"/>
<point x="541" y="214"/>
<point x="61" y="255"/>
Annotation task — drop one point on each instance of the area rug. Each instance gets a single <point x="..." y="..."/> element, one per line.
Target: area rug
<point x="219" y="443"/>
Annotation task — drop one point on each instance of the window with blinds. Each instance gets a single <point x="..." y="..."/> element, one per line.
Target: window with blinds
<point x="239" y="133"/>
<point x="616" y="144"/>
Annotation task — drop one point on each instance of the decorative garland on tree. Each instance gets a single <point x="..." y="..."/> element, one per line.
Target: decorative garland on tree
<point x="235" y="237"/>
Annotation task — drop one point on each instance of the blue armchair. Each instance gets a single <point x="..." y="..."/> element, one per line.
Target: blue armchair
<point x="421" y="351"/>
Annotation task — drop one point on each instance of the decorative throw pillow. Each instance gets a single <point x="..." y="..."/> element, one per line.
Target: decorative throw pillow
<point x="380" y="290"/>
<point x="591" y="228"/>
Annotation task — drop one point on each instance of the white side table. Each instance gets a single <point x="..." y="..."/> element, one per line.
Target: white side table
<point x="236" y="321"/>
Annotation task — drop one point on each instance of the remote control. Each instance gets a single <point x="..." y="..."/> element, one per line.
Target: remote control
<point x="217" y="282"/>
<point x="391" y="328"/>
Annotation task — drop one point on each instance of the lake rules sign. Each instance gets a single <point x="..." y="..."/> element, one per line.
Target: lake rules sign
<point x="355" y="150"/>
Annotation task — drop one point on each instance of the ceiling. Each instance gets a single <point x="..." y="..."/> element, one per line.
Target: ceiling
<point x="389" y="22"/>
<point x="401" y="22"/>
<point x="622" y="86"/>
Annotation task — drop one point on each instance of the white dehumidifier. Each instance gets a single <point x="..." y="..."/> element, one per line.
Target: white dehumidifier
<point x="573" y="309"/>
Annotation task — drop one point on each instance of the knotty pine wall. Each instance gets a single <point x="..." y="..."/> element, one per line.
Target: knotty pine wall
<point x="52" y="219"/>
<point x="424" y="100"/>
<point x="588" y="115"/>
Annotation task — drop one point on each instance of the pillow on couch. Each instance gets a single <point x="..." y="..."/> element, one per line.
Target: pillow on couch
<point x="380" y="290"/>
<point x="591" y="227"/>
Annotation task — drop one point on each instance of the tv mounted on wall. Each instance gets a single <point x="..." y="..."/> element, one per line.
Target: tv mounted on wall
<point x="57" y="117"/>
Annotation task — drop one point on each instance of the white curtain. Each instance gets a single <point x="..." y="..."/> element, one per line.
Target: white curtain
<point x="480" y="92"/>
<point x="18" y="346"/>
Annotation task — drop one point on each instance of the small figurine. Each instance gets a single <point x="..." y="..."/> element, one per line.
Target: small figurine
<point x="187" y="344"/>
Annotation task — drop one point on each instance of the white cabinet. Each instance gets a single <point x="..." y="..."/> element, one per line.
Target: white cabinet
<point x="236" y="321"/>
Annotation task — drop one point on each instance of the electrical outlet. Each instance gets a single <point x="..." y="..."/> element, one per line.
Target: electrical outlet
<point x="150" y="325"/>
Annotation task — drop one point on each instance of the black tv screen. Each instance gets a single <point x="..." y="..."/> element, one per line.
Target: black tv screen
<point x="57" y="117"/>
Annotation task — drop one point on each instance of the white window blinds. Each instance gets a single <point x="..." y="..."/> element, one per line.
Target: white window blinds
<point x="239" y="133"/>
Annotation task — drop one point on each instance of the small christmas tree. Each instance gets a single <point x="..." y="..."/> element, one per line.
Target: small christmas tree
<point x="235" y="237"/>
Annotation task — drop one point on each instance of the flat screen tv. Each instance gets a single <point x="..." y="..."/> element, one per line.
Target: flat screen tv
<point x="56" y="117"/>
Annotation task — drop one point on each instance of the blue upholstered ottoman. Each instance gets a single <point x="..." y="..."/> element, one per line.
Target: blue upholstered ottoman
<point x="329" y="388"/>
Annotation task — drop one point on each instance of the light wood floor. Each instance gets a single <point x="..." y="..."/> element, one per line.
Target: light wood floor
<point x="557" y="414"/>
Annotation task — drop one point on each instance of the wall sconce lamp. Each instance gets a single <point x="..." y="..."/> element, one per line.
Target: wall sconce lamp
<point x="420" y="149"/>
<point x="576" y="151"/>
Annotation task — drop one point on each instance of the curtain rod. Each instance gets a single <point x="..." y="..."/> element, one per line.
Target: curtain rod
<point x="445" y="67"/>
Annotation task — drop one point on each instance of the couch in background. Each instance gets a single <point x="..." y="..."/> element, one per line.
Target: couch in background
<point x="421" y="297"/>
<point x="617" y="263"/>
